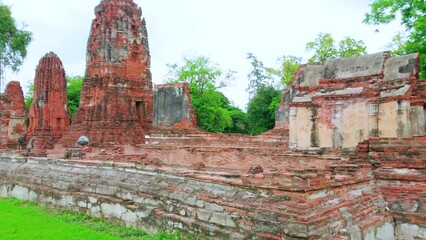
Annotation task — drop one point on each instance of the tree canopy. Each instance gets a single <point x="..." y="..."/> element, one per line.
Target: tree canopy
<point x="264" y="94"/>
<point x="213" y="110"/>
<point x="412" y="14"/>
<point x="287" y="67"/>
<point x="74" y="85"/>
<point x="324" y="47"/>
<point x="13" y="41"/>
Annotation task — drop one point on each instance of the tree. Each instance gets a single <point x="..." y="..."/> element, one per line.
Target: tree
<point x="201" y="72"/>
<point x="349" y="47"/>
<point x="287" y="67"/>
<point x="324" y="48"/>
<point x="412" y="14"/>
<point x="29" y="96"/>
<point x="74" y="85"/>
<point x="13" y="41"/>
<point x="265" y="95"/>
<point x="261" y="109"/>
<point x="213" y="110"/>
<point x="259" y="77"/>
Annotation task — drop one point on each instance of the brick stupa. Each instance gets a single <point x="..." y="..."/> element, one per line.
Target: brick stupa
<point x="48" y="114"/>
<point x="116" y="99"/>
<point x="13" y="116"/>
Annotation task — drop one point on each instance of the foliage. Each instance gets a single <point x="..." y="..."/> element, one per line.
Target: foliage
<point x="288" y="66"/>
<point x="324" y="48"/>
<point x="25" y="220"/>
<point x="239" y="118"/>
<point x="213" y="110"/>
<point x="74" y="85"/>
<point x="29" y="96"/>
<point x="259" y="77"/>
<point x="13" y="41"/>
<point x="261" y="109"/>
<point x="265" y="95"/>
<point x="349" y="47"/>
<point x="412" y="14"/>
<point x="208" y="104"/>
<point x="201" y="72"/>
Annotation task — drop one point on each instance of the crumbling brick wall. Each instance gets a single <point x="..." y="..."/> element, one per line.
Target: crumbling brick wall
<point x="13" y="116"/>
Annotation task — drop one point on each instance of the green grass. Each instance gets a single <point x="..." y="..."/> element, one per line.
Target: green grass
<point x="25" y="220"/>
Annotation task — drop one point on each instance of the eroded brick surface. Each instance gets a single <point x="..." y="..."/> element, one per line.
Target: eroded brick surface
<point x="345" y="160"/>
<point x="13" y="116"/>
<point x="48" y="114"/>
<point x="116" y="99"/>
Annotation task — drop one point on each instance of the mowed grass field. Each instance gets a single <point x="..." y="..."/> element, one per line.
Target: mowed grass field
<point x="24" y="220"/>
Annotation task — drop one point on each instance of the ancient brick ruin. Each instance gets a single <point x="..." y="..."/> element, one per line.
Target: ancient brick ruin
<point x="13" y="118"/>
<point x="48" y="114"/>
<point x="346" y="160"/>
<point x="337" y="104"/>
<point x="116" y="99"/>
<point x="172" y="107"/>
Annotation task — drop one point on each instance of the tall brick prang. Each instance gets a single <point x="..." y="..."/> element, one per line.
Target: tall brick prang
<point x="116" y="99"/>
<point x="48" y="114"/>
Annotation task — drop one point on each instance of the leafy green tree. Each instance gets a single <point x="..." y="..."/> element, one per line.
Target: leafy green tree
<point x="261" y="109"/>
<point x="13" y="41"/>
<point x="29" y="97"/>
<point x="324" y="47"/>
<point x="259" y="77"/>
<point x="74" y="85"/>
<point x="412" y="14"/>
<point x="349" y="47"/>
<point x="287" y="67"/>
<point x="265" y="95"/>
<point x="213" y="110"/>
<point x="201" y="72"/>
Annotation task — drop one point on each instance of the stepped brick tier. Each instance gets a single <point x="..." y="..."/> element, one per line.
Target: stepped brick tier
<point x="172" y="107"/>
<point x="116" y="99"/>
<point x="339" y="202"/>
<point x="13" y="117"/>
<point x="401" y="177"/>
<point x="339" y="103"/>
<point x="48" y="114"/>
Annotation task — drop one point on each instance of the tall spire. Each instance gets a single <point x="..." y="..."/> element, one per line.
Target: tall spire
<point x="116" y="99"/>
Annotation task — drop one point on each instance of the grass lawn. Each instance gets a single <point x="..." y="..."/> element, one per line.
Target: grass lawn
<point x="24" y="220"/>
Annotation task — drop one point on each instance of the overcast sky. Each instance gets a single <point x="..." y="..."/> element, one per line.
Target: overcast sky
<point x="223" y="30"/>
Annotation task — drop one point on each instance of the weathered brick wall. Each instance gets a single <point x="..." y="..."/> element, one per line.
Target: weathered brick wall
<point x="189" y="147"/>
<point x="401" y="177"/>
<point x="337" y="104"/>
<point x="300" y="204"/>
<point x="13" y="116"/>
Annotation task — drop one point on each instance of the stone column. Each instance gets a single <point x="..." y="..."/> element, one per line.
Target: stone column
<point x="417" y="115"/>
<point x="293" y="129"/>
<point x="373" y="127"/>
<point x="403" y="119"/>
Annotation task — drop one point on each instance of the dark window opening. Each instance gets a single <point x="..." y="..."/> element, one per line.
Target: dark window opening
<point x="140" y="112"/>
<point x="109" y="53"/>
<point x="58" y="123"/>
